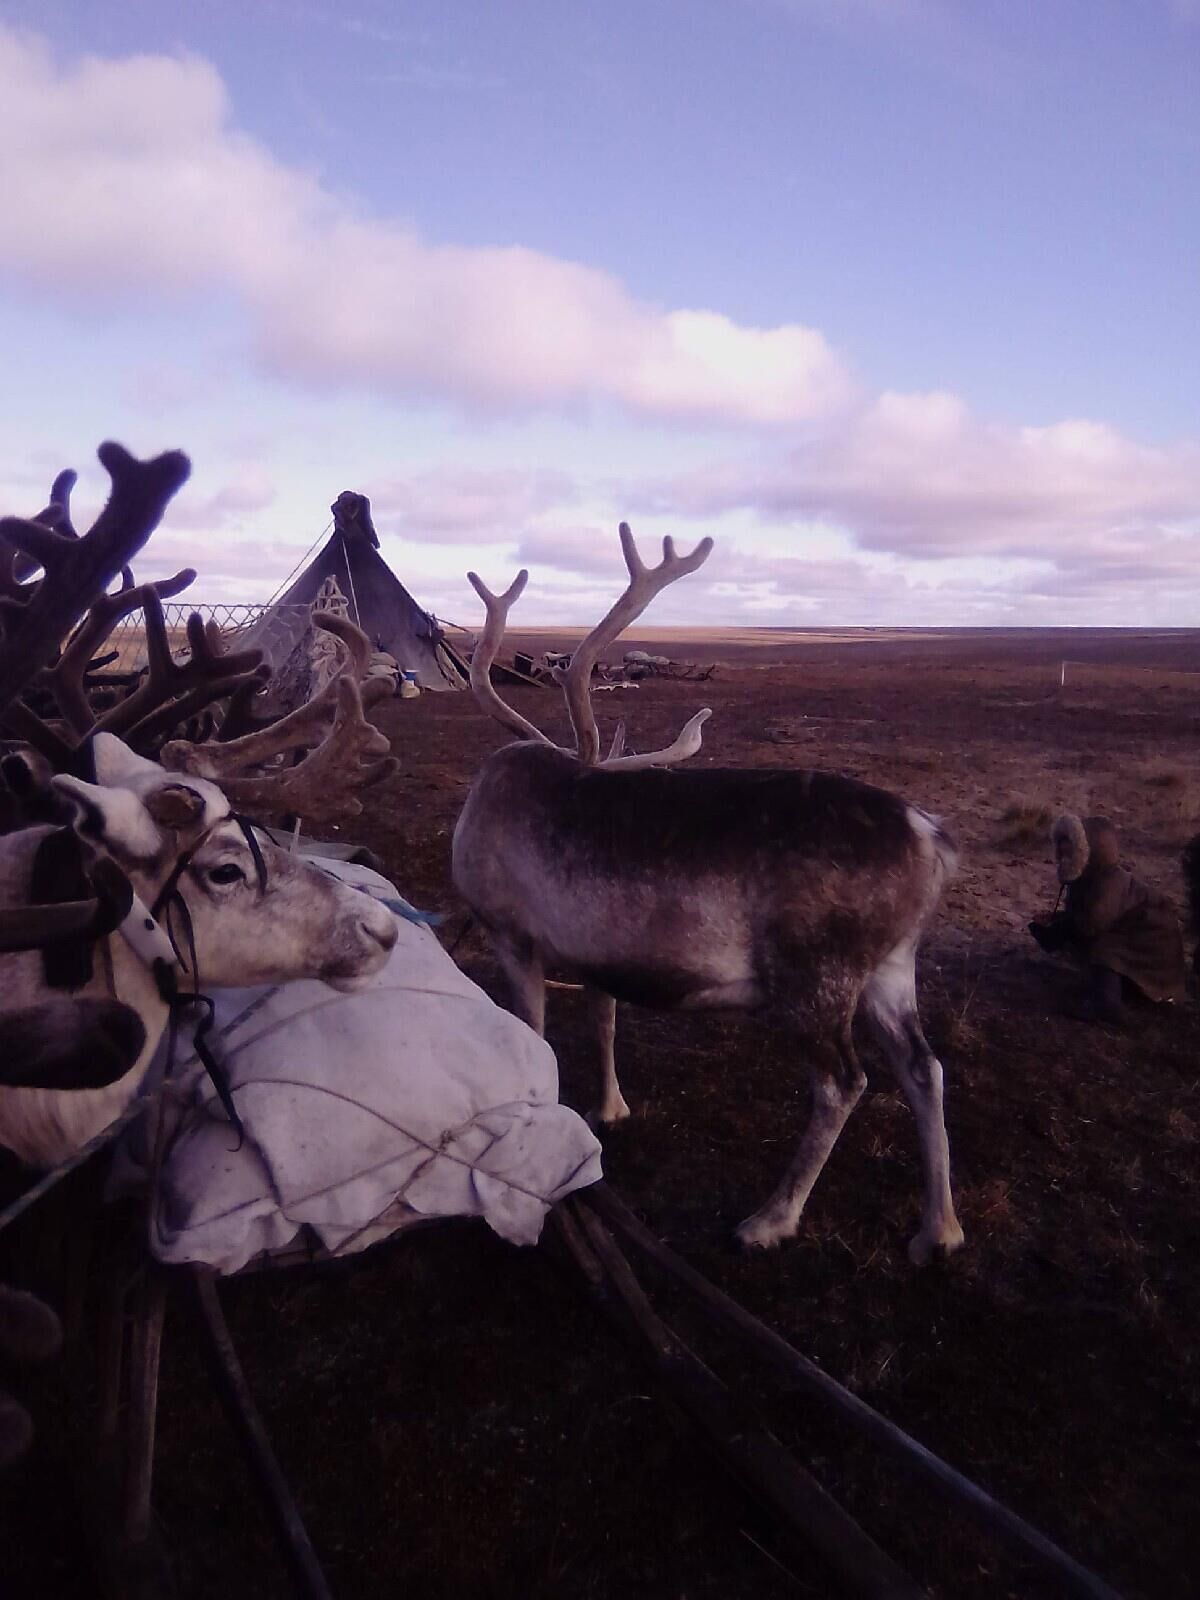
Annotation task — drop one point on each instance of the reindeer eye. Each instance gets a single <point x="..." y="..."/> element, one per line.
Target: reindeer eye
<point x="228" y="872"/>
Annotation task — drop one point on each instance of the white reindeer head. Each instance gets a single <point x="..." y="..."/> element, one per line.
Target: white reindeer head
<point x="250" y="925"/>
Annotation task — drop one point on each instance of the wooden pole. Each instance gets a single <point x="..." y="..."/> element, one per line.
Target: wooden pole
<point x="143" y="1402"/>
<point x="754" y="1456"/>
<point x="244" y="1417"/>
<point x="1008" y="1528"/>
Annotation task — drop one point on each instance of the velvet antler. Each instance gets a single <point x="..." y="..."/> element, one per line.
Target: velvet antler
<point x="36" y="618"/>
<point x="346" y="752"/>
<point x="644" y="583"/>
<point x="174" y="690"/>
<point x="497" y="607"/>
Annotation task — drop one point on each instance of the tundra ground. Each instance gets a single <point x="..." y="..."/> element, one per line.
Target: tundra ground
<point x="454" y="1418"/>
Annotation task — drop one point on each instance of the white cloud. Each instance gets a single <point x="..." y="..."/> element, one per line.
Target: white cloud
<point x="583" y="550"/>
<point x="126" y="182"/>
<point x="918" y="475"/>
<point x="466" y="505"/>
<point x="127" y="178"/>
<point x="575" y="581"/>
<point x="230" y="506"/>
<point x="239" y="567"/>
<point x="155" y="387"/>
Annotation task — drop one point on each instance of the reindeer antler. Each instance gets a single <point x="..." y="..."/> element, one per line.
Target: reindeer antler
<point x="346" y="752"/>
<point x="644" y="583"/>
<point x="65" y="678"/>
<point x="241" y="720"/>
<point x="687" y="744"/>
<point x="37" y="617"/>
<point x="497" y="607"/>
<point x="359" y="648"/>
<point x="58" y="513"/>
<point x="173" y="690"/>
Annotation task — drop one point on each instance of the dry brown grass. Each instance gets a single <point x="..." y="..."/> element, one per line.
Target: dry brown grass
<point x="1025" y="823"/>
<point x="1166" y="775"/>
<point x="1173" y="794"/>
<point x="129" y="641"/>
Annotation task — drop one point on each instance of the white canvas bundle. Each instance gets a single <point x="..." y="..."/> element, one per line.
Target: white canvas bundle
<point x="416" y="1097"/>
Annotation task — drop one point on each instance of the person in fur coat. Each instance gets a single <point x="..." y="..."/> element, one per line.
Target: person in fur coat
<point x="1122" y="929"/>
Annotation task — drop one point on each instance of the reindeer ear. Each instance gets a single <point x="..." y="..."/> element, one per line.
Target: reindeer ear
<point x="27" y="773"/>
<point x="175" y="805"/>
<point x="116" y="763"/>
<point x="114" y="817"/>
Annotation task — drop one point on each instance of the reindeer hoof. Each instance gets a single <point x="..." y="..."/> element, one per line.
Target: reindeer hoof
<point x="16" y="1431"/>
<point x="598" y="1121"/>
<point x="759" y="1233"/>
<point x="926" y="1247"/>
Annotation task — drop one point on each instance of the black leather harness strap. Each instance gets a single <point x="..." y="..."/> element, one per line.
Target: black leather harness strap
<point x="60" y="876"/>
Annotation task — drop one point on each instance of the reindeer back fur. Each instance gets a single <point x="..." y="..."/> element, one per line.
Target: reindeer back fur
<point x="684" y="887"/>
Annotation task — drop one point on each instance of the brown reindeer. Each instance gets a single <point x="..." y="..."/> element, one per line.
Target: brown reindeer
<point x="800" y="894"/>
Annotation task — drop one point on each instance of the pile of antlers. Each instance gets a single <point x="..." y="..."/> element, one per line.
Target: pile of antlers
<point x="51" y="629"/>
<point x="644" y="583"/>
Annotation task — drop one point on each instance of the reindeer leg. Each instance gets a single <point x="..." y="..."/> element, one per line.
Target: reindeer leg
<point x="526" y="978"/>
<point x="921" y="1079"/>
<point x="603" y="1009"/>
<point x="889" y="1004"/>
<point x="838" y="1083"/>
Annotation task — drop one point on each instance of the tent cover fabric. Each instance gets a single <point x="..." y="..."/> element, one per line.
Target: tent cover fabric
<point x="378" y="602"/>
<point x="414" y="1098"/>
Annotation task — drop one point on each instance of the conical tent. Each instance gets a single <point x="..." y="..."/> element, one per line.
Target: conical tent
<point x="378" y="602"/>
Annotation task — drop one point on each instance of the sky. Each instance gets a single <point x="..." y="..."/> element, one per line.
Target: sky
<point x="899" y="300"/>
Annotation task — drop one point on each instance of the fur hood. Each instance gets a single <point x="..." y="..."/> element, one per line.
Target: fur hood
<point x="1078" y="842"/>
<point x="1071" y="848"/>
